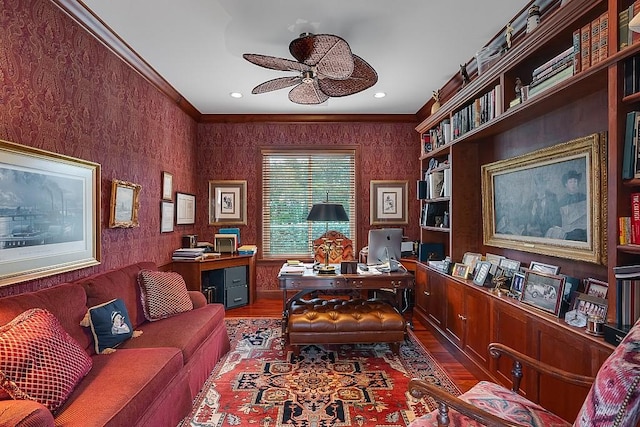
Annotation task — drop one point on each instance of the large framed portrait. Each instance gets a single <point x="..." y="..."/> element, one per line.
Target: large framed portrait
<point x="125" y="203"/>
<point x="227" y="202"/>
<point x="185" y="209"/>
<point x="50" y="216"/>
<point x="388" y="202"/>
<point x="552" y="201"/>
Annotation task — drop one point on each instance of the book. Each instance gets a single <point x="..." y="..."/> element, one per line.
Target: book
<point x="550" y="72"/>
<point x="585" y="45"/>
<point x="636" y="148"/>
<point x="561" y="57"/>
<point x="577" y="64"/>
<point x="635" y="218"/>
<point x="551" y="81"/>
<point x="629" y="150"/>
<point x="595" y="41"/>
<point x="604" y="36"/>
<point x="623" y="28"/>
<point x="624" y="230"/>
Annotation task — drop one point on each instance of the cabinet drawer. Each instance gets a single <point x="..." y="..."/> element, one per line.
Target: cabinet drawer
<point x="236" y="296"/>
<point x="234" y="276"/>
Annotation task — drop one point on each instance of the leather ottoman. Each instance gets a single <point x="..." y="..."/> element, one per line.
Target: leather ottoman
<point x="339" y="321"/>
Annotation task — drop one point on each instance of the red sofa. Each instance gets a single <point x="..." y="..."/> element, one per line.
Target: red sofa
<point x="150" y="380"/>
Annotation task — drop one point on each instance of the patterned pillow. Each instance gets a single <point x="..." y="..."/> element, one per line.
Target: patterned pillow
<point x="614" y="398"/>
<point x="110" y="325"/>
<point x="39" y="360"/>
<point x="164" y="294"/>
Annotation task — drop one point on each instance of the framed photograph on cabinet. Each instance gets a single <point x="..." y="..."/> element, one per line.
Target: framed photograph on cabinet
<point x="543" y="291"/>
<point x="460" y="270"/>
<point x="591" y="306"/>
<point x="185" y="209"/>
<point x="227" y="202"/>
<point x="388" y="204"/>
<point x="596" y="288"/>
<point x="167" y="186"/>
<point x="562" y="193"/>
<point x="494" y="260"/>
<point x="544" y="268"/>
<point x="51" y="224"/>
<point x="166" y="217"/>
<point x="482" y="273"/>
<point x="509" y="266"/>
<point x="125" y="203"/>
<point x="517" y="283"/>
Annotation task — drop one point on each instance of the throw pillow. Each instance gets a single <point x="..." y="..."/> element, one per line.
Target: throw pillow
<point x="39" y="360"/>
<point x="164" y="294"/>
<point x="110" y="325"/>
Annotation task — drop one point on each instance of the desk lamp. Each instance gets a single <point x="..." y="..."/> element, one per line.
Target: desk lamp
<point x="328" y="212"/>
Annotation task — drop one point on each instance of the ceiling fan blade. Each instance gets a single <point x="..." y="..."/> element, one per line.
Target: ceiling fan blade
<point x="275" y="84"/>
<point x="363" y="77"/>
<point x="330" y="54"/>
<point x="307" y="94"/>
<point x="275" y="63"/>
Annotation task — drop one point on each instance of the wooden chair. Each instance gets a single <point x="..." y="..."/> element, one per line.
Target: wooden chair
<point x="613" y="398"/>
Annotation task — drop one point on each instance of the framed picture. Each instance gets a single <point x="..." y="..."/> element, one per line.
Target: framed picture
<point x="509" y="266"/>
<point x="185" y="209"/>
<point x="543" y="291"/>
<point x="460" y="270"/>
<point x="52" y="223"/>
<point x="124" y="204"/>
<point x="517" y="284"/>
<point x="544" y="268"/>
<point x="227" y="202"/>
<point x="552" y="201"/>
<point x="494" y="260"/>
<point x="166" y="217"/>
<point x="596" y="288"/>
<point x="388" y="202"/>
<point x="471" y="259"/>
<point x="591" y="306"/>
<point x="482" y="273"/>
<point x="167" y="186"/>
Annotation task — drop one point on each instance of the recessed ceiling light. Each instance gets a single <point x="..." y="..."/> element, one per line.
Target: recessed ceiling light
<point x="235" y="95"/>
<point x="379" y="95"/>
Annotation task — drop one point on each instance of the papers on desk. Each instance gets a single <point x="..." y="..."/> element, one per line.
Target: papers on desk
<point x="292" y="270"/>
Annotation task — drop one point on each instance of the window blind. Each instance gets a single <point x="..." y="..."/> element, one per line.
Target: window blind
<point x="292" y="182"/>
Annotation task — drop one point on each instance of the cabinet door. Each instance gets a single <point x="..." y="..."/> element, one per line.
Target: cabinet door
<point x="455" y="314"/>
<point x="478" y="326"/>
<point x="436" y="301"/>
<point x="510" y="327"/>
<point x="422" y="295"/>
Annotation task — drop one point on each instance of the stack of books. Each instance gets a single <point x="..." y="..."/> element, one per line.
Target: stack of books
<point x="247" y="250"/>
<point x="552" y="72"/>
<point x="193" y="254"/>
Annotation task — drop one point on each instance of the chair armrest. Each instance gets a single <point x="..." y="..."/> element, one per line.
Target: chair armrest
<point x="198" y="299"/>
<point x="497" y="349"/>
<point x="24" y="413"/>
<point x="419" y="388"/>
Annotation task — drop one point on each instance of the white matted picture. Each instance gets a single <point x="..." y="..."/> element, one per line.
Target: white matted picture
<point x="166" y="217"/>
<point x="52" y="224"/>
<point x="167" y="186"/>
<point x="544" y="268"/>
<point x="227" y="202"/>
<point x="596" y="288"/>
<point x="388" y="202"/>
<point x="185" y="209"/>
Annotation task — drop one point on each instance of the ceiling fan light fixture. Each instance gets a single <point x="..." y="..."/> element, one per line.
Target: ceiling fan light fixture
<point x="236" y="95"/>
<point x="379" y="95"/>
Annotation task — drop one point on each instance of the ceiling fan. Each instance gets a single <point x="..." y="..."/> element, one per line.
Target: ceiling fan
<point x="327" y="69"/>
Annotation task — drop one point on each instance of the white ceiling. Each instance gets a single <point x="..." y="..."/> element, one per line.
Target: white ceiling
<point x="197" y="45"/>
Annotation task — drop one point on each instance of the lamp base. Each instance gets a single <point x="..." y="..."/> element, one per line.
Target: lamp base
<point x="326" y="269"/>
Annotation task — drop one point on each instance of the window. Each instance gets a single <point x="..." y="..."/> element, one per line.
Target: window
<point x="291" y="183"/>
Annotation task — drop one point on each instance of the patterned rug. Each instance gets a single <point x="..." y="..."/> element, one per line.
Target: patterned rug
<point x="260" y="383"/>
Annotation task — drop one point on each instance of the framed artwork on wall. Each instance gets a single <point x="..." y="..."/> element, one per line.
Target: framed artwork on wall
<point x="185" y="209"/>
<point x="167" y="186"/>
<point x="227" y="202"/>
<point x="52" y="223"/>
<point x="124" y="204"/>
<point x="388" y="202"/>
<point x="551" y="201"/>
<point x="166" y="216"/>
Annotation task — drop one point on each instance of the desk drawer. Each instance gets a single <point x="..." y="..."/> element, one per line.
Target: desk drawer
<point x="234" y="276"/>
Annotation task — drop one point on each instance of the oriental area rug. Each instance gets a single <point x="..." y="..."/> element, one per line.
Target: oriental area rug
<point x="261" y="383"/>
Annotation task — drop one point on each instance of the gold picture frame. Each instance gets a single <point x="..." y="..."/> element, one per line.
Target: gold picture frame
<point x="125" y="203"/>
<point x="227" y="202"/>
<point x="389" y="203"/>
<point x="571" y="176"/>
<point x="54" y="226"/>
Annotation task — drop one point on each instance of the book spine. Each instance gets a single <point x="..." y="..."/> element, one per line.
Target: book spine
<point x="635" y="218"/>
<point x="551" y="71"/>
<point x="636" y="152"/>
<point x="623" y="29"/>
<point x="623" y="237"/>
<point x="585" y="43"/>
<point x="558" y="58"/>
<point x="634" y="10"/>
<point x="604" y="36"/>
<point x="595" y="41"/>
<point x="628" y="155"/>
<point x="577" y="61"/>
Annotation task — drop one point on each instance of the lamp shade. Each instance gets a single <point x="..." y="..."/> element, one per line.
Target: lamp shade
<point x="327" y="212"/>
<point x="634" y="24"/>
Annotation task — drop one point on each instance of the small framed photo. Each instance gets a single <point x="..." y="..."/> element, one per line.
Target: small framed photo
<point x="166" y="216"/>
<point x="544" y="268"/>
<point x="124" y="204"/>
<point x="596" y="288"/>
<point x="517" y="284"/>
<point x="494" y="260"/>
<point x="591" y="306"/>
<point x="389" y="203"/>
<point x="482" y="273"/>
<point x="460" y="270"/>
<point x="509" y="266"/>
<point x="543" y="291"/>
<point x="167" y="186"/>
<point x="470" y="259"/>
<point x="227" y="202"/>
<point x="185" y="209"/>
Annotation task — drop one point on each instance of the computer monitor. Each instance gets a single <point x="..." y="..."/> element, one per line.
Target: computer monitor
<point x="385" y="247"/>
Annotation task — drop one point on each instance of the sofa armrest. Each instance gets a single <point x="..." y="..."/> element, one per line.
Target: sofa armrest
<point x="198" y="299"/>
<point x="22" y="413"/>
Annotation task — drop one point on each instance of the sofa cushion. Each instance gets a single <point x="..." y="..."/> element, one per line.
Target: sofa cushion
<point x="110" y="325"/>
<point x="164" y="294"/>
<point x="39" y="360"/>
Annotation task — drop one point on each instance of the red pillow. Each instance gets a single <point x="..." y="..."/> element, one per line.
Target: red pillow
<point x="164" y="294"/>
<point x="39" y="360"/>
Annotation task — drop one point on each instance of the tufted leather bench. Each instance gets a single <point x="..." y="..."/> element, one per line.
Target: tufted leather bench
<point x="338" y="321"/>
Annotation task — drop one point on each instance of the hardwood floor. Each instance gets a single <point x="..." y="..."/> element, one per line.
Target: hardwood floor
<point x="447" y="356"/>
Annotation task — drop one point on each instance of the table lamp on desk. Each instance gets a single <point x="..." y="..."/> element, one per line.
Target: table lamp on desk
<point x="327" y="212"/>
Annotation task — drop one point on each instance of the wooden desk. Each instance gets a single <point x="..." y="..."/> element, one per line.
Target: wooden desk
<point x="393" y="283"/>
<point x="192" y="270"/>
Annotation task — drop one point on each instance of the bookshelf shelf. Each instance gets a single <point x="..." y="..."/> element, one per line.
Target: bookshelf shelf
<point x="436" y="229"/>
